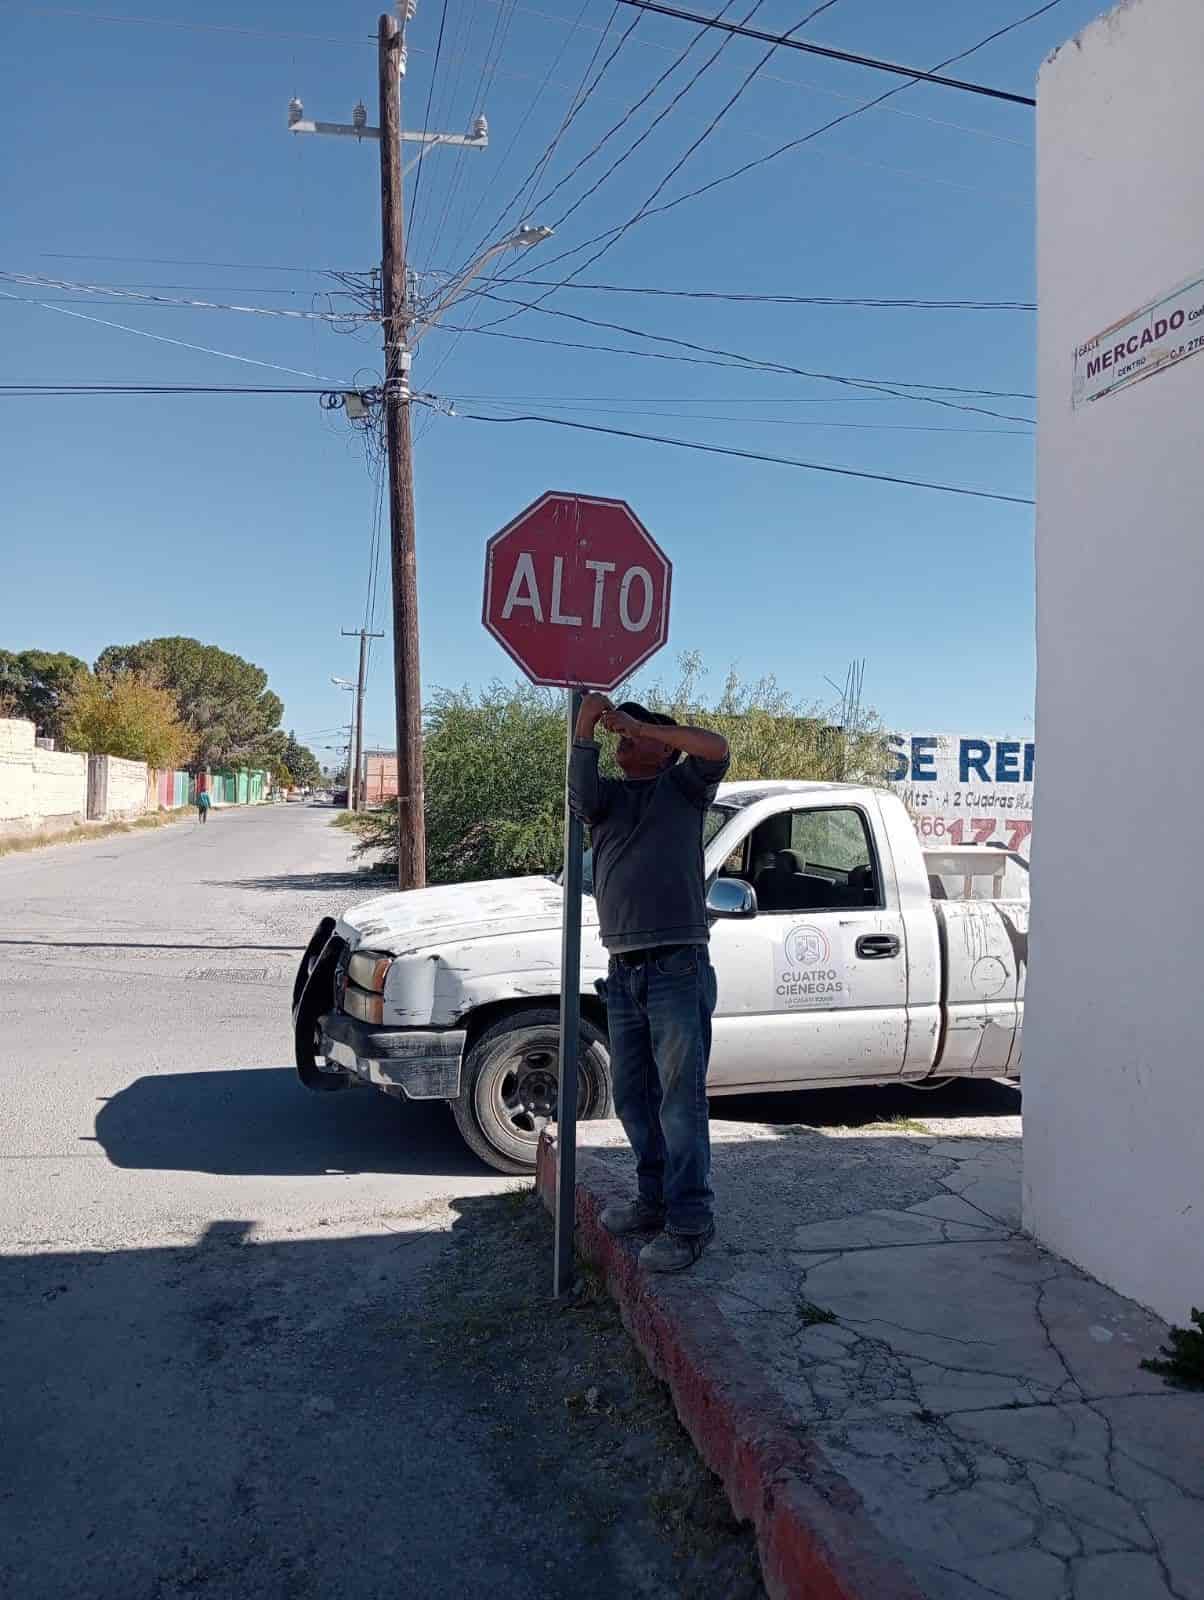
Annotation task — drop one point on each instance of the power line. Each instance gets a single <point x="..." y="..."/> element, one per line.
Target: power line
<point x="622" y="122"/>
<point x="755" y="455"/>
<point x="532" y="102"/>
<point x="581" y="95"/>
<point x="627" y="410"/>
<point x="885" y="386"/>
<point x="535" y="175"/>
<point x="824" y="5"/>
<point x="426" y="126"/>
<point x="178" y="261"/>
<point x="812" y="87"/>
<point x="776" y="39"/>
<point x="84" y="389"/>
<point x="611" y="236"/>
<point x="183" y="344"/>
<point x="196" y="27"/>
<point x="695" y="361"/>
<point x="899" y="302"/>
<point x="136" y="297"/>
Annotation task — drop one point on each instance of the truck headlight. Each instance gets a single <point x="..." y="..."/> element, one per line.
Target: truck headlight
<point x="363" y="996"/>
<point x="367" y="969"/>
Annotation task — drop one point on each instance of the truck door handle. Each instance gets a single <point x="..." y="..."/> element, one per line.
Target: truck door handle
<point x="877" y="946"/>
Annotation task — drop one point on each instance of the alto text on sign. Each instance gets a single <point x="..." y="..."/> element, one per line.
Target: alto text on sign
<point x="577" y="591"/>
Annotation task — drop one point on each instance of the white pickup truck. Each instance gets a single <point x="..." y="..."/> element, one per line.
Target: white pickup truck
<point x="845" y="955"/>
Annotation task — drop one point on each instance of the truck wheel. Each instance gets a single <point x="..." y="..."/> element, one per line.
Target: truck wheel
<point x="508" y="1086"/>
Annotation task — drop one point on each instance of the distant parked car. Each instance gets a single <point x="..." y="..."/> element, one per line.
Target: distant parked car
<point x="339" y="798"/>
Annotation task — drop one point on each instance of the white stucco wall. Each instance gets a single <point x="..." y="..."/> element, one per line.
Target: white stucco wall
<point x="1114" y="1028"/>
<point x="16" y="773"/>
<point x="60" y="786"/>
<point x="38" y="788"/>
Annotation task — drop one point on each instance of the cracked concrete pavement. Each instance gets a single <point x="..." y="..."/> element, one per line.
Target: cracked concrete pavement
<point x="984" y="1398"/>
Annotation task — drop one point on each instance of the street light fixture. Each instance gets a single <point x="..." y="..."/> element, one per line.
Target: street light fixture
<point x="525" y="237"/>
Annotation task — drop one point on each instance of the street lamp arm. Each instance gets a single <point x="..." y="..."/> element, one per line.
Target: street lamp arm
<point x="452" y="291"/>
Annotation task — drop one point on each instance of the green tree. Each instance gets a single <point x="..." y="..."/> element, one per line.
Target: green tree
<point x="127" y="714"/>
<point x="35" y="684"/>
<point x="223" y="699"/>
<point x="495" y="765"/>
<point x="293" y="763"/>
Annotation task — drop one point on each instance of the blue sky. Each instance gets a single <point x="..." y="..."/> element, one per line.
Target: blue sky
<point x="246" y="521"/>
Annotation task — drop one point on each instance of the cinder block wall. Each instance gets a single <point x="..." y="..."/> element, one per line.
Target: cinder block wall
<point x="127" y="788"/>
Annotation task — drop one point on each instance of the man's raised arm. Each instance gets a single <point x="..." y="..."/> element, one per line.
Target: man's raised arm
<point x="587" y="789"/>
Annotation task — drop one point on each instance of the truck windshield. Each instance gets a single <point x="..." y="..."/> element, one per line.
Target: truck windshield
<point x="716" y="818"/>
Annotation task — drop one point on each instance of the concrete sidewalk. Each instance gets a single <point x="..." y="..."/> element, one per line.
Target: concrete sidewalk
<point x="903" y="1392"/>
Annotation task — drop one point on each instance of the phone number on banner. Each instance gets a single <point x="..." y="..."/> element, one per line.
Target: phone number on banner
<point x="975" y="830"/>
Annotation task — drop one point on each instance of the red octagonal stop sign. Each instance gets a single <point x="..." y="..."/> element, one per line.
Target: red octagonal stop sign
<point x="577" y="590"/>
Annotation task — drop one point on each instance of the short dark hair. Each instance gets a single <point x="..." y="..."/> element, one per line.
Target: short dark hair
<point x="658" y="719"/>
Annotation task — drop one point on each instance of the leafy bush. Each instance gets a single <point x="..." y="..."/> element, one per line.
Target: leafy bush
<point x="495" y="765"/>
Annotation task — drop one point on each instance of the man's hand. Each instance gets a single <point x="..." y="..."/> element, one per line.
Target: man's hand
<point x="594" y="709"/>
<point x="649" y="734"/>
<point x="628" y="727"/>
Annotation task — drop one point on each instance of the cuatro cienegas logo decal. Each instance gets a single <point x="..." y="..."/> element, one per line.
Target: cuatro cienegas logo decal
<point x="807" y="946"/>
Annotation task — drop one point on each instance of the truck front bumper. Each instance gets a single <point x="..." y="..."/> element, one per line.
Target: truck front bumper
<point x="423" y="1065"/>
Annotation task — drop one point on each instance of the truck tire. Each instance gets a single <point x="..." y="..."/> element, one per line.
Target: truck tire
<point x="508" y="1086"/>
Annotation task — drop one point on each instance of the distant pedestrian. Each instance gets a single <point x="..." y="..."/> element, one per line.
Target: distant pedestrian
<point x="203" y="803"/>
<point x="649" y="880"/>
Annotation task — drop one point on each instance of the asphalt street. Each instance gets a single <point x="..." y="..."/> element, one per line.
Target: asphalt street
<point x="208" y="1276"/>
<point x="218" y="1372"/>
<point x="148" y="1085"/>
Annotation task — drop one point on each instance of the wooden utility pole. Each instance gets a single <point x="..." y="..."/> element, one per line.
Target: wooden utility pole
<point x="411" y="819"/>
<point x="355" y="781"/>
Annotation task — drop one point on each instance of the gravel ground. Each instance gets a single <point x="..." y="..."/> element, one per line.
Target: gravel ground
<point x="569" y="1405"/>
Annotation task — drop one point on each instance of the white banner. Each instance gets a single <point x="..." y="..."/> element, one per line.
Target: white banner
<point x="963" y="790"/>
<point x="1166" y="331"/>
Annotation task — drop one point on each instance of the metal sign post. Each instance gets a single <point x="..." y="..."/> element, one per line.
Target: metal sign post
<point x="570" y="1027"/>
<point x="577" y="591"/>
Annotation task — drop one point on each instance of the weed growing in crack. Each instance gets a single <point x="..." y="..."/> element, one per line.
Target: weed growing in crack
<point x="1182" y="1357"/>
<point x="811" y="1315"/>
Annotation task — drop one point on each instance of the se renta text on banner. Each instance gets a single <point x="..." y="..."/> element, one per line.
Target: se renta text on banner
<point x="965" y="790"/>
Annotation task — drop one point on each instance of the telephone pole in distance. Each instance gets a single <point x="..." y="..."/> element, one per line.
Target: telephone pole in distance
<point x="355" y="797"/>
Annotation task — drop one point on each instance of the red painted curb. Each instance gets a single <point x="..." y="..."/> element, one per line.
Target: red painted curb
<point x="814" y="1537"/>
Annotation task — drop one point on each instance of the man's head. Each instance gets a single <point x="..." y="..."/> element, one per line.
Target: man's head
<point x="643" y="756"/>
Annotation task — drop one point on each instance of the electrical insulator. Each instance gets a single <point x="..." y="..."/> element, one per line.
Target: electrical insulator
<point x="295" y="111"/>
<point x="480" y="129"/>
<point x="359" y="117"/>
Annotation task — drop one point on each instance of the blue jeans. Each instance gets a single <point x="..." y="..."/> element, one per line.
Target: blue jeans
<point x="659" y="1020"/>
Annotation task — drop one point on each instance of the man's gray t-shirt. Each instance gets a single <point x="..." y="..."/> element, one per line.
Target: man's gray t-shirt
<point x="649" y="870"/>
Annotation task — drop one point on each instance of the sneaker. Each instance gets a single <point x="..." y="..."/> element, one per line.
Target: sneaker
<point x="674" y="1252"/>
<point x="632" y="1216"/>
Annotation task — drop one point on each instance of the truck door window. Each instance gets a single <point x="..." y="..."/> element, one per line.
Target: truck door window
<point x="824" y="861"/>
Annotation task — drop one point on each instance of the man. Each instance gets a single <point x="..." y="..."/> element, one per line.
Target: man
<point x="203" y="803"/>
<point x="649" y="877"/>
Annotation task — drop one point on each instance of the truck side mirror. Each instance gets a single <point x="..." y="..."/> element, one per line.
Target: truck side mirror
<point x="731" y="897"/>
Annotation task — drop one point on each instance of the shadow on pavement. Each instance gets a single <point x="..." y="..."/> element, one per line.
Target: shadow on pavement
<point x="261" y="1121"/>
<point x="233" y="1418"/>
<point x="853" y="1108"/>
<point x="127" y="944"/>
<point x="363" y="884"/>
